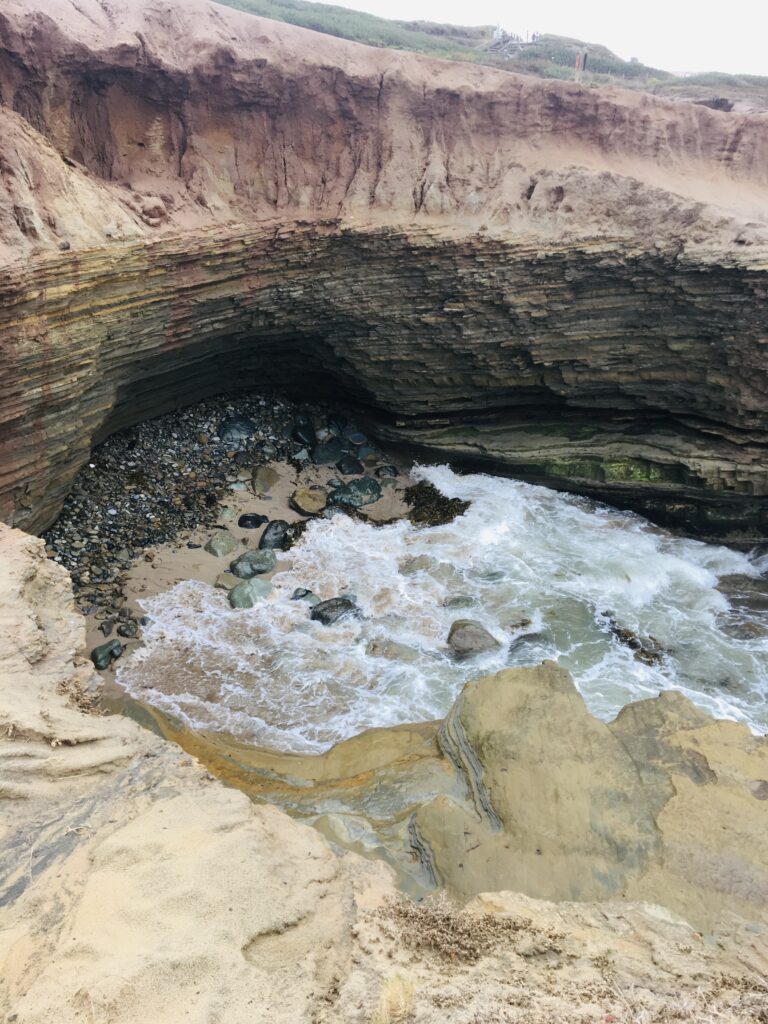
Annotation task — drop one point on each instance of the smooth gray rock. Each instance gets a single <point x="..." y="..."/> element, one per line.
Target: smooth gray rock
<point x="467" y="637"/>
<point x="333" y="610"/>
<point x="249" y="593"/>
<point x="221" y="543"/>
<point x="253" y="563"/>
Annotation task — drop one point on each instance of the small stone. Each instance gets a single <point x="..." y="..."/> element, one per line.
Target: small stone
<point x="222" y="543"/>
<point x="264" y="479"/>
<point x="107" y="626"/>
<point x="249" y="593"/>
<point x="368" y="455"/>
<point x="302" y="594"/>
<point x="467" y="637"/>
<point x="202" y="439"/>
<point x="364" y="491"/>
<point x="355" y="437"/>
<point x="329" y="612"/>
<point x="226" y="580"/>
<point x="275" y="535"/>
<point x="350" y="466"/>
<point x="129" y="629"/>
<point x="304" y="431"/>
<point x="459" y="601"/>
<point x="384" y="471"/>
<point x="236" y="429"/>
<point x="391" y="650"/>
<point x="309" y="501"/>
<point x="103" y="655"/>
<point x="251" y="521"/>
<point x="253" y="563"/>
<point x="328" y="453"/>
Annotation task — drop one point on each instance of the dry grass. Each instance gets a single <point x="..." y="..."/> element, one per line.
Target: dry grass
<point x="395" y="1002"/>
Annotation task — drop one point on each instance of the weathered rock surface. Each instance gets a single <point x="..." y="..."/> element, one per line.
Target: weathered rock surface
<point x="572" y="281"/>
<point x="563" y="806"/>
<point x="135" y="888"/>
<point x="521" y="788"/>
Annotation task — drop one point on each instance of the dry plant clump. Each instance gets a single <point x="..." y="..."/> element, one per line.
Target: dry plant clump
<point x="437" y="924"/>
<point x="738" y="1006"/>
<point x="88" y="703"/>
<point x="395" y="1001"/>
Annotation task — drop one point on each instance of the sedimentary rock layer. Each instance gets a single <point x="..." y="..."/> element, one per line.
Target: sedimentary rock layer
<point x="247" y="203"/>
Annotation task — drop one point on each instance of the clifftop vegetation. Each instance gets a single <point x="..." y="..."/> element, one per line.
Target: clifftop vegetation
<point x="547" y="56"/>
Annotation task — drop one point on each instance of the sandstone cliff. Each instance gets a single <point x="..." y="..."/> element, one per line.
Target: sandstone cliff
<point x="134" y="887"/>
<point x="570" y="283"/>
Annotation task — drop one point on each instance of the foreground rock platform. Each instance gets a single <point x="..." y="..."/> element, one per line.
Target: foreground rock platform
<point x="135" y="887"/>
<point x="572" y="281"/>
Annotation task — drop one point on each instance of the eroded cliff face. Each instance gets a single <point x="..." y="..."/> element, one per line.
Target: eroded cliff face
<point x="566" y="283"/>
<point x="135" y="887"/>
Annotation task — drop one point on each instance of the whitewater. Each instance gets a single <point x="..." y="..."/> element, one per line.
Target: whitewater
<point x="548" y="575"/>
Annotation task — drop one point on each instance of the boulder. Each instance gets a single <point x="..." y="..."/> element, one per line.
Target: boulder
<point x="263" y="479"/>
<point x="348" y="465"/>
<point x="328" y="453"/>
<point x="357" y="493"/>
<point x="253" y="563"/>
<point x="391" y="650"/>
<point x="275" y="536"/>
<point x="309" y="501"/>
<point x="251" y="521"/>
<point x="331" y="611"/>
<point x="227" y="580"/>
<point x="468" y="637"/>
<point x="221" y="543"/>
<point x="103" y="655"/>
<point x="304" y="431"/>
<point x="249" y="593"/>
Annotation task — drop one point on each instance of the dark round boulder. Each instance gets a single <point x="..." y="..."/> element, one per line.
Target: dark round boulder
<point x="103" y="655"/>
<point x="304" y="431"/>
<point x="251" y="521"/>
<point x="328" y="453"/>
<point x="334" y="610"/>
<point x="275" y="535"/>
<point x="355" y="494"/>
<point x="348" y="465"/>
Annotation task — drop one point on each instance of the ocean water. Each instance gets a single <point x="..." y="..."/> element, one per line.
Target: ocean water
<point x="547" y="574"/>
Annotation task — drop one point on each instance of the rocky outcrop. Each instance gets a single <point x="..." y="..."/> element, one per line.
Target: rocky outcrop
<point x="135" y="887"/>
<point x="565" y="283"/>
<point x="521" y="788"/>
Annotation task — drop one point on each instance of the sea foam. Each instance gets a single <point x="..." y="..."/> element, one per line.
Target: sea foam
<point x="549" y="575"/>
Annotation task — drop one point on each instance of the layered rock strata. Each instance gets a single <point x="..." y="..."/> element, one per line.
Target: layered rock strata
<point x="191" y="198"/>
<point x="135" y="887"/>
